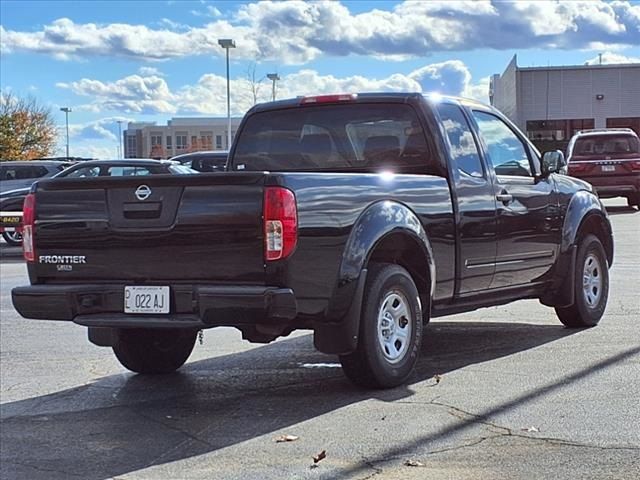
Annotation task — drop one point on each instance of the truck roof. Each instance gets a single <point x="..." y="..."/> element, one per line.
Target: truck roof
<point x="399" y="97"/>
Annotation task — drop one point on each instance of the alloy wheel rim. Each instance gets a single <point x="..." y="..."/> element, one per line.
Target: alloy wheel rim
<point x="15" y="236"/>
<point x="394" y="326"/>
<point x="592" y="280"/>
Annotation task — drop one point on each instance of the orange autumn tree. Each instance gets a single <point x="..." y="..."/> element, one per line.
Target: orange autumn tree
<point x="158" y="152"/>
<point x="199" y="146"/>
<point x="27" y="129"/>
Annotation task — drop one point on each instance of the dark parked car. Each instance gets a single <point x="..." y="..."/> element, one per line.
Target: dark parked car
<point x="16" y="178"/>
<point x="125" y="168"/>
<point x="15" y="175"/>
<point x="209" y="161"/>
<point x="11" y="201"/>
<point x="609" y="159"/>
<point x="358" y="217"/>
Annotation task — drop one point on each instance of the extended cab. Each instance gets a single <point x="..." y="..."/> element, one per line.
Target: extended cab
<point x="359" y="217"/>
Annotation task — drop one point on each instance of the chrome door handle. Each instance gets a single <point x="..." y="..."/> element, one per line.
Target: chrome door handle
<point x="504" y="197"/>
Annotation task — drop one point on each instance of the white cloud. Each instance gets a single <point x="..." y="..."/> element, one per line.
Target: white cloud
<point x="610" y="57"/>
<point x="132" y="94"/>
<point x="296" y="32"/>
<point x="149" y="71"/>
<point x="102" y="129"/>
<point x="95" y="139"/>
<point x="152" y="95"/>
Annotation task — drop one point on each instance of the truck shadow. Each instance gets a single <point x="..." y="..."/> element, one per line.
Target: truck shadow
<point x="124" y="423"/>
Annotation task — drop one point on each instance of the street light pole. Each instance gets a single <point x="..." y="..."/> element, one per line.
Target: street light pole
<point x="227" y="43"/>
<point x="274" y="77"/>
<point x="120" y="138"/>
<point x="66" y="111"/>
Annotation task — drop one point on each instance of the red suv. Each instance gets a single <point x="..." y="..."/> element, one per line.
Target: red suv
<point x="609" y="159"/>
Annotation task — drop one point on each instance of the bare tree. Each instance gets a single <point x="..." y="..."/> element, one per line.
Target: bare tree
<point x="27" y="129"/>
<point x="255" y="82"/>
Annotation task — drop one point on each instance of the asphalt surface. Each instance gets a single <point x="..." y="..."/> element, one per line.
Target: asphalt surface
<point x="500" y="393"/>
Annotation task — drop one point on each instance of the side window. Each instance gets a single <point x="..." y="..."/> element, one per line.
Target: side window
<point x="127" y="171"/>
<point x="84" y="172"/>
<point x="507" y="153"/>
<point x="464" y="151"/>
<point x="24" y="173"/>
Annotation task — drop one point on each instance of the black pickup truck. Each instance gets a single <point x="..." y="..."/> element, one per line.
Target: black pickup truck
<point x="359" y="217"/>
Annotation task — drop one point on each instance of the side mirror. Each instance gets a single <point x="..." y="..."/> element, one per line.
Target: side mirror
<point x="553" y="162"/>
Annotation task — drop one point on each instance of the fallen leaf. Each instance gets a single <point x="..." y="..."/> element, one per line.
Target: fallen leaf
<point x="287" y="438"/>
<point x="321" y="456"/>
<point x="413" y="463"/>
<point x="530" y="429"/>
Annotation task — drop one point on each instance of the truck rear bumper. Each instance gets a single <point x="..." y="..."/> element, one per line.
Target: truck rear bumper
<point x="192" y="306"/>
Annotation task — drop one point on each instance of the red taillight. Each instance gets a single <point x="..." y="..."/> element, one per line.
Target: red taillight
<point x="577" y="167"/>
<point x="635" y="165"/>
<point x="280" y="223"/>
<point x="343" y="97"/>
<point x="28" y="220"/>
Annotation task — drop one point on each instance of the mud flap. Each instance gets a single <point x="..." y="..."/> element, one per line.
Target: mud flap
<point x="341" y="338"/>
<point x="561" y="293"/>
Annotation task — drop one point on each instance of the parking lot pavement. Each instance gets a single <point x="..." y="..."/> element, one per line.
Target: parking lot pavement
<point x="503" y="392"/>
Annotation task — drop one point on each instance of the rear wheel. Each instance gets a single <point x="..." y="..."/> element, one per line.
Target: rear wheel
<point x="12" y="238"/>
<point x="591" y="286"/>
<point x="390" y="330"/>
<point x="144" y="350"/>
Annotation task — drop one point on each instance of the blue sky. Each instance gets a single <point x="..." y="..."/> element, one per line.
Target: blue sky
<point x="152" y="60"/>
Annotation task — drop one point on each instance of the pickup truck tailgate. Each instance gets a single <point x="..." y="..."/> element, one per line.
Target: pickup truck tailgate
<point x="186" y="228"/>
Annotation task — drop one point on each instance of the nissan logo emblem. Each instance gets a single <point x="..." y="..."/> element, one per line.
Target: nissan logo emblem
<point x="143" y="192"/>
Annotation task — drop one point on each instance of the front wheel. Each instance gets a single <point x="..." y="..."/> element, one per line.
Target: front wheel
<point x="390" y="330"/>
<point x="634" y="200"/>
<point x="145" y="350"/>
<point x="591" y="286"/>
<point x="13" y="238"/>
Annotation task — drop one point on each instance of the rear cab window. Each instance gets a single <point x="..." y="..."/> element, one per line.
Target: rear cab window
<point x="462" y="146"/>
<point x="362" y="137"/>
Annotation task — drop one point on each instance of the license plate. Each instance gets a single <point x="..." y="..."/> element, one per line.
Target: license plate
<point x="7" y="220"/>
<point x="608" y="168"/>
<point x="146" y="299"/>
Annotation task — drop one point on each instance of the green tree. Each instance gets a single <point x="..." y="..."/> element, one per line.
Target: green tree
<point x="27" y="129"/>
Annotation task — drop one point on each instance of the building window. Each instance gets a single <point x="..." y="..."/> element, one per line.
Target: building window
<point x="626" y="122"/>
<point x="181" y="141"/>
<point x="556" y="130"/>
<point x="169" y="142"/>
<point x="156" y="140"/>
<point x="219" y="142"/>
<point x="131" y="146"/>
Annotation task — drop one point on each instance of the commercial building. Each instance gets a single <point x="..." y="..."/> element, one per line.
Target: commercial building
<point x="550" y="104"/>
<point x="180" y="135"/>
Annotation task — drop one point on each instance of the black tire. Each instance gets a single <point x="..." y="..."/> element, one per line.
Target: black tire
<point x="12" y="238"/>
<point x="590" y="300"/>
<point x="634" y="200"/>
<point x="370" y="366"/>
<point x="144" y="350"/>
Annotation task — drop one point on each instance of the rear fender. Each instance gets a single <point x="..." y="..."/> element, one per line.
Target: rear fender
<point x="381" y="219"/>
<point x="583" y="204"/>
